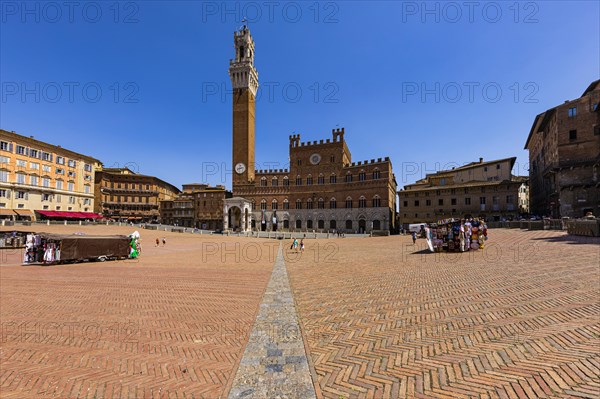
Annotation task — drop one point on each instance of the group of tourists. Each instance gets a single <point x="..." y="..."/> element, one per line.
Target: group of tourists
<point x="297" y="246"/>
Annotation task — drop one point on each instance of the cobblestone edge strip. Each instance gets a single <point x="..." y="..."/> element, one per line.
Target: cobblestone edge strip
<point x="274" y="363"/>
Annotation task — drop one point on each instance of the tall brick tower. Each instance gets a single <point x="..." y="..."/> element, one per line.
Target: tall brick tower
<point x="244" y="82"/>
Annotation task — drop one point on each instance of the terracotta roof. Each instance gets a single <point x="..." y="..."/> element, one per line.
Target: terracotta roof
<point x="593" y="86"/>
<point x="474" y="164"/>
<point x="475" y="183"/>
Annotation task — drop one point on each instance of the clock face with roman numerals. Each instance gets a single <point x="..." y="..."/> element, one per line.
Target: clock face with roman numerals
<point x="315" y="159"/>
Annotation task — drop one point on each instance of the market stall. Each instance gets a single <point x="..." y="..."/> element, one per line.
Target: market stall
<point x="44" y="248"/>
<point x="455" y="235"/>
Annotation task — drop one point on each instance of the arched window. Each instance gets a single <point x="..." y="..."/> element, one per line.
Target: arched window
<point x="362" y="176"/>
<point x="274" y="204"/>
<point x="298" y="204"/>
<point x="309" y="224"/>
<point x="298" y="224"/>
<point x="349" y="178"/>
<point x="348" y="224"/>
<point x="349" y="202"/>
<point x="376" y="174"/>
<point x="263" y="181"/>
<point x="298" y="180"/>
<point x="253" y="205"/>
<point x="332" y="224"/>
<point x="321" y="179"/>
<point x="321" y="203"/>
<point x="376" y="201"/>
<point x="286" y="181"/>
<point x="333" y="203"/>
<point x="362" y="202"/>
<point x="321" y="224"/>
<point x="376" y="224"/>
<point x="333" y="178"/>
<point x="286" y="204"/>
<point x="263" y="204"/>
<point x="309" y="180"/>
<point x="274" y="182"/>
<point x="309" y="204"/>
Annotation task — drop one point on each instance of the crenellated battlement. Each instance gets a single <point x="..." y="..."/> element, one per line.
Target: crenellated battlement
<point x="338" y="135"/>
<point x="294" y="140"/>
<point x="370" y="162"/>
<point x="271" y="171"/>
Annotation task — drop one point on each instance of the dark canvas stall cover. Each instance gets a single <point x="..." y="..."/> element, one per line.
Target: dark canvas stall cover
<point x="76" y="247"/>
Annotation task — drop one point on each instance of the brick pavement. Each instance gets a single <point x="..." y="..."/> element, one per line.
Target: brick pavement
<point x="380" y="318"/>
<point x="517" y="320"/>
<point x="168" y="325"/>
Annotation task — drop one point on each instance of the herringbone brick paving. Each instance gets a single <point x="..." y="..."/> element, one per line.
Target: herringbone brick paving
<point x="521" y="319"/>
<point x="168" y="325"/>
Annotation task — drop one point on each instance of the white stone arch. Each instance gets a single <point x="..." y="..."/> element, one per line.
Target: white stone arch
<point x="242" y="211"/>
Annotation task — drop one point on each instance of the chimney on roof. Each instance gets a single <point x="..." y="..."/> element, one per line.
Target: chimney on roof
<point x="480" y="160"/>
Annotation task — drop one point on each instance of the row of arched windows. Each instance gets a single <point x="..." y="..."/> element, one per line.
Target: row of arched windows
<point x="348" y="178"/>
<point x="320" y="203"/>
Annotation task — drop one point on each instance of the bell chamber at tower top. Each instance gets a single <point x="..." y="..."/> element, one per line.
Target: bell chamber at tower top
<point x="242" y="73"/>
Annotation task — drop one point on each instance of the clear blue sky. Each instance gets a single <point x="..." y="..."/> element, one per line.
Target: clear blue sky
<point x="162" y="67"/>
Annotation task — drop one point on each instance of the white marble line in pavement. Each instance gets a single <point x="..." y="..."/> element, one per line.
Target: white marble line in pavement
<point x="274" y="364"/>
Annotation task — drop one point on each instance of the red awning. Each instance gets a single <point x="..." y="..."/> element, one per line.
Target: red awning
<point x="70" y="215"/>
<point x="90" y="215"/>
<point x="47" y="213"/>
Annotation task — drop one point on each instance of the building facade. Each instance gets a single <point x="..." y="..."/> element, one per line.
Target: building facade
<point x="124" y="195"/>
<point x="38" y="176"/>
<point x="524" y="197"/>
<point x="198" y="205"/>
<point x="323" y="189"/>
<point x="564" y="158"/>
<point x="479" y="189"/>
